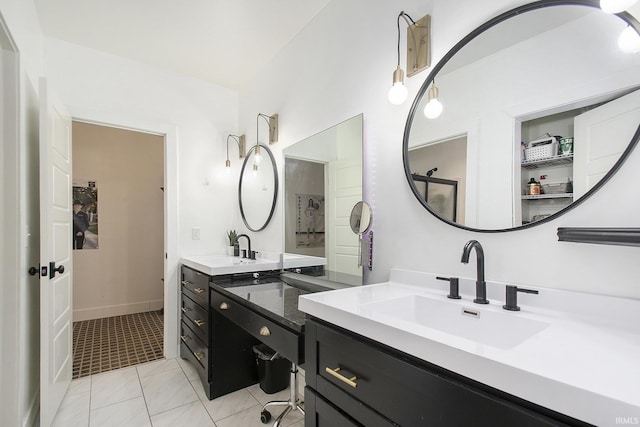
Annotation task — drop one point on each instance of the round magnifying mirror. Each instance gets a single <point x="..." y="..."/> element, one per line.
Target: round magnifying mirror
<point x="360" y="219"/>
<point x="258" y="189"/>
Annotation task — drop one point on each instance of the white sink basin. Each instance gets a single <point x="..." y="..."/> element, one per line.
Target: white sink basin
<point x="469" y="321"/>
<point x="220" y="264"/>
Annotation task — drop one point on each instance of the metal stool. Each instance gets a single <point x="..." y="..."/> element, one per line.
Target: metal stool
<point x="291" y="405"/>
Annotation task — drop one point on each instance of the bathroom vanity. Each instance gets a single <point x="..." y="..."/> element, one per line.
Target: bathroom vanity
<point x="220" y="351"/>
<point x="402" y="353"/>
<point x="230" y="305"/>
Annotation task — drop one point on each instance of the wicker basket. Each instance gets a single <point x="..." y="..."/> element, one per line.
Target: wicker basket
<point x="541" y="148"/>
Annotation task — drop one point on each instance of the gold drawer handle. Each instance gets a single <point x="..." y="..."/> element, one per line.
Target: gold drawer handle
<point x="185" y="309"/>
<point x="335" y="372"/>
<point x="199" y="290"/>
<point x="186" y="283"/>
<point x="184" y="338"/>
<point x="199" y="322"/>
<point x="224" y="306"/>
<point x="199" y="355"/>
<point x="264" y="331"/>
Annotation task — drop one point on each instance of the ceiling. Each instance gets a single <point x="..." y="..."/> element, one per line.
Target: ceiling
<point x="222" y="41"/>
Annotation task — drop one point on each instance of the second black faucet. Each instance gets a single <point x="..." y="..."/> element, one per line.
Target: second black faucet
<point x="481" y="285"/>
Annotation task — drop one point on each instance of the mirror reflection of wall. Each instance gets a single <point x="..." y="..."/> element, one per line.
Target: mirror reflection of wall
<point x="515" y="82"/>
<point x="323" y="180"/>
<point x="304" y="195"/>
<point x="445" y="160"/>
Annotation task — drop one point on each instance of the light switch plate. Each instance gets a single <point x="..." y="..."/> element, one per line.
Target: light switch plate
<point x="195" y="234"/>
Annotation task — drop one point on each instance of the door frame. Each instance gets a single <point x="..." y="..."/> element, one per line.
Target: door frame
<point x="170" y="134"/>
<point x="13" y="260"/>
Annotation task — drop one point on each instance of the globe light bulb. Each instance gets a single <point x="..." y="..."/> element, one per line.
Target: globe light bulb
<point x="398" y="92"/>
<point x="257" y="156"/>
<point x="434" y="107"/>
<point x="616" y="6"/>
<point x="629" y="41"/>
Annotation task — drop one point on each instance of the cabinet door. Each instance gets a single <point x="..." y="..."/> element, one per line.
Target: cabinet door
<point x="320" y="413"/>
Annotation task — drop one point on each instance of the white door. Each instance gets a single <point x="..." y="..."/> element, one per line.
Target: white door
<point x="55" y="254"/>
<point x="344" y="191"/>
<point x="600" y="137"/>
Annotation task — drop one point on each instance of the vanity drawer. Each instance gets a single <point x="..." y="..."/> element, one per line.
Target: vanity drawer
<point x="195" y="317"/>
<point x="198" y="350"/>
<point x="286" y="342"/>
<point x="403" y="389"/>
<point x="195" y="285"/>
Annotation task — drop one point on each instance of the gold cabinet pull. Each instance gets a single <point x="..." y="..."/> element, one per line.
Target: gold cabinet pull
<point x="224" y="306"/>
<point x="199" y="355"/>
<point x="184" y="338"/>
<point x="264" y="331"/>
<point x="185" y="309"/>
<point x="199" y="290"/>
<point x="185" y="283"/>
<point x="336" y="373"/>
<point x="199" y="322"/>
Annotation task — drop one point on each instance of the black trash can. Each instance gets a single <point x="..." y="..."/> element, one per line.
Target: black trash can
<point x="273" y="369"/>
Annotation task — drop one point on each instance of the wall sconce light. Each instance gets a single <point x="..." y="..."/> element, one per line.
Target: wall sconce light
<point x="434" y="107"/>
<point x="418" y="55"/>
<point x="272" y="121"/>
<point x="616" y="6"/>
<point x="240" y="140"/>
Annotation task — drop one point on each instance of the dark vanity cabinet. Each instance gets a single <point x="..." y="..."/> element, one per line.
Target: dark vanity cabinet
<point x="220" y="351"/>
<point x="353" y="381"/>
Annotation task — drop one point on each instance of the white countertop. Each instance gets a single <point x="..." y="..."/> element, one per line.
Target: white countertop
<point x="299" y="261"/>
<point x="224" y="264"/>
<point x="584" y="362"/>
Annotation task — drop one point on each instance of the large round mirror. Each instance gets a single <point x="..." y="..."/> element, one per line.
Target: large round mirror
<point x="258" y="188"/>
<point x="540" y="108"/>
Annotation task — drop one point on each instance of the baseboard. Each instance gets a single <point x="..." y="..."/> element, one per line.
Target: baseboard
<point x="31" y="418"/>
<point x="116" y="310"/>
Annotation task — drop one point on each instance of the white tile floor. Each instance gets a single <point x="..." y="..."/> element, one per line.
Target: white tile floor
<point x="162" y="393"/>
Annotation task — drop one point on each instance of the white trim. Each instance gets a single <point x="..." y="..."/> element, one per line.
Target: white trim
<point x="31" y="417"/>
<point x="170" y="132"/>
<point x="11" y="259"/>
<point x="116" y="310"/>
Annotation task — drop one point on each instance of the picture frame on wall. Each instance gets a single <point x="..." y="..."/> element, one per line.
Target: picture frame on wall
<point x="85" y="215"/>
<point x="309" y="221"/>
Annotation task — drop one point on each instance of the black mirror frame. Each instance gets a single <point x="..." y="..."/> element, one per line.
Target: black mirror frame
<point x="628" y="18"/>
<point x="264" y="149"/>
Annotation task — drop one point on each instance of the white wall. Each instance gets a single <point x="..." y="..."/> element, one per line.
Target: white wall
<point x="20" y="370"/>
<point x="91" y="83"/>
<point x="340" y="65"/>
<point x="124" y="274"/>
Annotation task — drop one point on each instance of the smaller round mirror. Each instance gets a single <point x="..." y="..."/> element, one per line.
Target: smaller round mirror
<point x="258" y="188"/>
<point x="360" y="219"/>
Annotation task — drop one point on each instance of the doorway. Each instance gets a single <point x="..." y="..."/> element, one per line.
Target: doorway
<point x="118" y="197"/>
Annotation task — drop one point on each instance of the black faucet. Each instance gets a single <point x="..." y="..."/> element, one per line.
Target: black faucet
<point x="248" y="244"/>
<point x="481" y="285"/>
